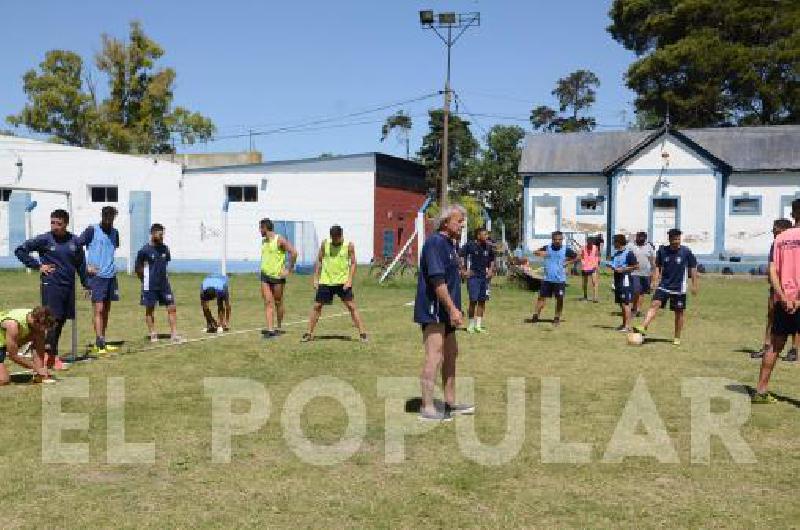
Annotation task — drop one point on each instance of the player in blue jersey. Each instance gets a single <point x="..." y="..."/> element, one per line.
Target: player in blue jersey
<point x="60" y="257"/>
<point x="478" y="256"/>
<point x="623" y="263"/>
<point x="556" y="258"/>
<point x="437" y="309"/>
<point x="675" y="266"/>
<point x="151" y="268"/>
<point x="215" y="287"/>
<point x="101" y="240"/>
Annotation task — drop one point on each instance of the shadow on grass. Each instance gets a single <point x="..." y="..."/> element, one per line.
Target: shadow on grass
<point x="344" y="338"/>
<point x="540" y="321"/>
<point x="750" y="391"/>
<point x="413" y="405"/>
<point x="21" y="378"/>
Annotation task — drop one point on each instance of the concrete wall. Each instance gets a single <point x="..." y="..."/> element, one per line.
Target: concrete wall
<point x="566" y="190"/>
<point x="206" y="160"/>
<point x="750" y="235"/>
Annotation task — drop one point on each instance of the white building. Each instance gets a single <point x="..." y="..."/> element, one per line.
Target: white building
<point x="372" y="196"/>
<point x="722" y="187"/>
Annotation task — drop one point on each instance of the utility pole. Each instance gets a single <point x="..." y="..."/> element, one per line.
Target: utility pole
<point x="447" y="21"/>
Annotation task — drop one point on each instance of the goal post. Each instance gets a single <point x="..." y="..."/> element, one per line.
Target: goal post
<point x="28" y="230"/>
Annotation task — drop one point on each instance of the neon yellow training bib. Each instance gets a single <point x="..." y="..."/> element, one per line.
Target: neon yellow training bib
<point x="20" y="316"/>
<point x="273" y="258"/>
<point x="335" y="263"/>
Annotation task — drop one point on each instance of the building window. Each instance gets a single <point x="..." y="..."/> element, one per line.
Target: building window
<point x="5" y="194"/>
<point x="242" y="193"/>
<point x="746" y="205"/>
<point x="104" y="193"/>
<point x="591" y="205"/>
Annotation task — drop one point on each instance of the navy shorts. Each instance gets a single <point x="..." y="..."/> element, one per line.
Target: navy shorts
<point x="551" y="289"/>
<point x="104" y="289"/>
<point x="272" y="280"/>
<point x="641" y="284"/>
<point x="325" y="293"/>
<point x="157" y="296"/>
<point x="59" y="299"/>
<point x="677" y="302"/>
<point x="623" y="295"/>
<point x="478" y="288"/>
<point x="221" y="296"/>
<point x="783" y="323"/>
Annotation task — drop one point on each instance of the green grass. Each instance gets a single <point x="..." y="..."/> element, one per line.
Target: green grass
<point x="267" y="485"/>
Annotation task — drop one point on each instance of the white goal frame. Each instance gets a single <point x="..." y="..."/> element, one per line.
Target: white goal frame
<point x="68" y="195"/>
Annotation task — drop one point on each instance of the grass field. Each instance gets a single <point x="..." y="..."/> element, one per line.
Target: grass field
<point x="267" y="485"/>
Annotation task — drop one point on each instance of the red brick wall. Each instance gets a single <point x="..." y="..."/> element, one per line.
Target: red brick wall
<point x="395" y="208"/>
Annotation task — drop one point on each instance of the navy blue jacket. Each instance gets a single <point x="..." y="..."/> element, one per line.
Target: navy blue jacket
<point x="64" y="252"/>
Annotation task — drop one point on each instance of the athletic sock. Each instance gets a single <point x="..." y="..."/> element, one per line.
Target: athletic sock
<point x="472" y="322"/>
<point x="478" y="321"/>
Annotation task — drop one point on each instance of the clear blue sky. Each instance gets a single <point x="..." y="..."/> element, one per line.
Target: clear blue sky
<point x="268" y="64"/>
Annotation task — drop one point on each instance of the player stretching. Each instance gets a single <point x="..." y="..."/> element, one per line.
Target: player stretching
<point x="784" y="275"/>
<point x="556" y="257"/>
<point x="101" y="240"/>
<point x="623" y="263"/>
<point x="274" y="271"/>
<point x="334" y="271"/>
<point x="479" y="265"/>
<point x="215" y="287"/>
<point x="60" y="256"/>
<point x="19" y="327"/>
<point x="151" y="268"/>
<point x="675" y="264"/>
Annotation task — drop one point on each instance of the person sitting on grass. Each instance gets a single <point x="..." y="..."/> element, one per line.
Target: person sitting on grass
<point x="623" y="263"/>
<point x="556" y="258"/>
<point x="333" y="276"/>
<point x="478" y="256"/>
<point x="778" y="227"/>
<point x="19" y="327"/>
<point x="215" y="286"/>
<point x="784" y="275"/>
<point x="675" y="265"/>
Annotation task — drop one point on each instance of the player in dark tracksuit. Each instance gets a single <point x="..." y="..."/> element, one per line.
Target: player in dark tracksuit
<point x="478" y="263"/>
<point x="60" y="257"/>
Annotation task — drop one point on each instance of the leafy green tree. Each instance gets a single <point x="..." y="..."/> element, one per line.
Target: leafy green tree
<point x="710" y="63"/>
<point x="401" y="123"/>
<point x="57" y="102"/>
<point x="136" y="117"/>
<point x="462" y="147"/>
<point x="576" y="93"/>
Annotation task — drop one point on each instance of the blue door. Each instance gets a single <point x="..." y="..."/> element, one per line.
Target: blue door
<point x="139" y="209"/>
<point x="388" y="243"/>
<point x="17" y="204"/>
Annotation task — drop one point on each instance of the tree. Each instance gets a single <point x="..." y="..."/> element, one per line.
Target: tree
<point x="576" y="94"/>
<point x="57" y="104"/>
<point x="462" y="147"/>
<point x="400" y="122"/>
<point x="710" y="63"/>
<point x="136" y="117"/>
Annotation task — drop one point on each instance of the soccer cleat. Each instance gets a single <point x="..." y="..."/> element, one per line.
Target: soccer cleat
<point x="460" y="409"/>
<point x="100" y="352"/>
<point x="480" y="329"/>
<point x="439" y="416"/>
<point x="177" y="339"/>
<point x="763" y="399"/>
<point x="111" y="349"/>
<point x="622" y="329"/>
<point x="270" y="335"/>
<point x="307" y="337"/>
<point x="556" y="321"/>
<point x="41" y="379"/>
<point x="534" y="319"/>
<point x="760" y="353"/>
<point x="363" y="337"/>
<point x="154" y="337"/>
<point x="211" y="329"/>
<point x="676" y="342"/>
<point x="640" y="330"/>
<point x="791" y="355"/>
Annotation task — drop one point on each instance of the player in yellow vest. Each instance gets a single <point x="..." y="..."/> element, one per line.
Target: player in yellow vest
<point x="274" y="271"/>
<point x="333" y="275"/>
<point x="19" y="327"/>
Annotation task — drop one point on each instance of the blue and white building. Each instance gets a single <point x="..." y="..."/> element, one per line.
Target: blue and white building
<point x="722" y="187"/>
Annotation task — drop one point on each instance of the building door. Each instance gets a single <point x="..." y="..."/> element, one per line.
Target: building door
<point x="15" y="219"/>
<point x="139" y="210"/>
<point x="546" y="215"/>
<point x="664" y="218"/>
<point x="388" y="243"/>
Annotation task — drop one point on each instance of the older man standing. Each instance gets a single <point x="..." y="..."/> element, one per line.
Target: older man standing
<point x="437" y="309"/>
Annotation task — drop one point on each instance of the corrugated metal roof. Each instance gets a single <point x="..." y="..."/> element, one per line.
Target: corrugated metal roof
<point x="742" y="148"/>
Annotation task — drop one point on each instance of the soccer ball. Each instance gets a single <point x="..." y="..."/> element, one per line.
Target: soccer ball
<point x="635" y="339"/>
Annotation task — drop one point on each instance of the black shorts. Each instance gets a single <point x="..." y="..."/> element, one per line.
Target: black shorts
<point x="551" y="289"/>
<point x="272" y="280"/>
<point x="783" y="323"/>
<point x="448" y="328"/>
<point x="59" y="299"/>
<point x="325" y="293"/>
<point x="590" y="272"/>
<point x="677" y="302"/>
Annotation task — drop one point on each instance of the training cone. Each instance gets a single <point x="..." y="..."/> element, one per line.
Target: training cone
<point x="635" y="339"/>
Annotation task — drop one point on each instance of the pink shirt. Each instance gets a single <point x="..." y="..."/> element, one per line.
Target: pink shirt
<point x="590" y="259"/>
<point x="786" y="256"/>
